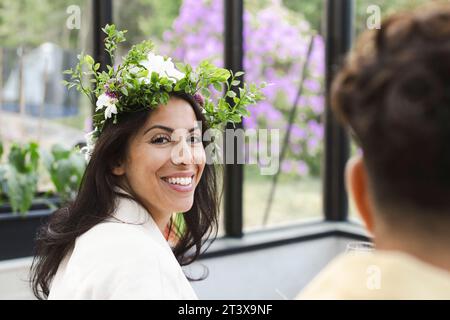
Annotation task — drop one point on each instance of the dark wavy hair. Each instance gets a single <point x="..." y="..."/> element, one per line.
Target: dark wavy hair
<point x="96" y="199"/>
<point x="394" y="94"/>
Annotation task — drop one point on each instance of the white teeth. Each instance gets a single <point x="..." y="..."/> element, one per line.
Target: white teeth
<point x="181" y="181"/>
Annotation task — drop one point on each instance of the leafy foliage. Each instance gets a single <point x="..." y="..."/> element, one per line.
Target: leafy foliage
<point x="136" y="86"/>
<point x="66" y="168"/>
<point x="19" y="176"/>
<point x="20" y="173"/>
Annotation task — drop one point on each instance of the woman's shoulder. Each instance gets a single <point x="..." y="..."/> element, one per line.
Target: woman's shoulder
<point x="111" y="248"/>
<point x="115" y="237"/>
<point x="110" y="260"/>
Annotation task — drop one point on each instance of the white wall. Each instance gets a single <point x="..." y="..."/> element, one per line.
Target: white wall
<point x="14" y="279"/>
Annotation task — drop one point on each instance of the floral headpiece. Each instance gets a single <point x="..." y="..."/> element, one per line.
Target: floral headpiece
<point x="145" y="80"/>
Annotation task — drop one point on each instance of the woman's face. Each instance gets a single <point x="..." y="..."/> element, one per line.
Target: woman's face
<point x="166" y="159"/>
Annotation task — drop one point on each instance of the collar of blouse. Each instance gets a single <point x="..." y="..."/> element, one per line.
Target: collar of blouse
<point x="131" y="212"/>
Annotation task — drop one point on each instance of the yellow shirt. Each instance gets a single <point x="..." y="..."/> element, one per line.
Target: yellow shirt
<point x="379" y="275"/>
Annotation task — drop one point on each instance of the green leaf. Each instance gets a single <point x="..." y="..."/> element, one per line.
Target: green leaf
<point x="217" y="86"/>
<point x="16" y="158"/>
<point x="124" y="91"/>
<point x="231" y="94"/>
<point x="236" y="118"/>
<point x="221" y="75"/>
<point x="181" y="66"/>
<point x="33" y="152"/>
<point x="180" y="84"/>
<point x="89" y="59"/>
<point x="66" y="168"/>
<point x="235" y="82"/>
<point x="21" y="189"/>
<point x="239" y="73"/>
<point x="59" y="152"/>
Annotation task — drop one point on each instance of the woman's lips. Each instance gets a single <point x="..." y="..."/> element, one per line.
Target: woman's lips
<point x="181" y="188"/>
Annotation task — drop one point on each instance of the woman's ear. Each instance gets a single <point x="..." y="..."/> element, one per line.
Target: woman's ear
<point x="357" y="186"/>
<point x="119" y="169"/>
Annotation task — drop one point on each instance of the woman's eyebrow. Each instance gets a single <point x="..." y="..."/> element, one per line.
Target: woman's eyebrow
<point x="170" y="130"/>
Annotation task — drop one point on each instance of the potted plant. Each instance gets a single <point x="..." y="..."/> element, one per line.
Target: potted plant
<point x="22" y="208"/>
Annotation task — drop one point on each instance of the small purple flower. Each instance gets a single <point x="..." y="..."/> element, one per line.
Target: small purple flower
<point x="315" y="128"/>
<point x="111" y="94"/>
<point x="108" y="91"/>
<point x="302" y="168"/>
<point x="286" y="166"/>
<point x="312" y="144"/>
<point x="199" y="99"/>
<point x="297" y="132"/>
<point x="296" y="148"/>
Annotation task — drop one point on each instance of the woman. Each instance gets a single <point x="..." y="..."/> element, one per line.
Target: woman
<point x="147" y="162"/>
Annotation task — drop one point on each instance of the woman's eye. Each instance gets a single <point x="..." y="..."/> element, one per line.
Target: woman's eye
<point x="160" y="140"/>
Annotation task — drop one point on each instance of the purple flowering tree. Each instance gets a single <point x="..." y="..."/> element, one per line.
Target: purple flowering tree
<point x="275" y="44"/>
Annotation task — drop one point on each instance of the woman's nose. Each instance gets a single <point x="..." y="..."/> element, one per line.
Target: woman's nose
<point x="181" y="153"/>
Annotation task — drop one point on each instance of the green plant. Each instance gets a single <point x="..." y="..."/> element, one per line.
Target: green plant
<point x="19" y="176"/>
<point x="66" y="168"/>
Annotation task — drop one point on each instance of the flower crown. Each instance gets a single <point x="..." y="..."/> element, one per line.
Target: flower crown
<point x="145" y="80"/>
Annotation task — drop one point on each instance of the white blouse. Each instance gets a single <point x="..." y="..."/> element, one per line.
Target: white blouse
<point x="125" y="257"/>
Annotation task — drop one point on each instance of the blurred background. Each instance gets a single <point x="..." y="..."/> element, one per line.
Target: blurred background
<point x="283" y="216"/>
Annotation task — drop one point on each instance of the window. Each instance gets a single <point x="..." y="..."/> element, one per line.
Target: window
<point x="277" y="36"/>
<point x="38" y="42"/>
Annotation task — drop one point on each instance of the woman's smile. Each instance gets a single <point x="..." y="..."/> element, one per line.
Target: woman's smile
<point x="181" y="181"/>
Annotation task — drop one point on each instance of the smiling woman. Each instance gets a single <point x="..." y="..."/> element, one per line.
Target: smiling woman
<point x="109" y="243"/>
<point x="164" y="182"/>
<point x="147" y="161"/>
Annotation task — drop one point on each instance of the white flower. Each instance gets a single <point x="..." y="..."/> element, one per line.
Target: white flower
<point x="90" y="144"/>
<point x="90" y="139"/>
<point x="164" y="68"/>
<point x="87" y="151"/>
<point x="171" y="71"/>
<point x="109" y="101"/>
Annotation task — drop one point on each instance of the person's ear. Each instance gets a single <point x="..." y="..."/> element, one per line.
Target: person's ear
<point x="357" y="186"/>
<point x="119" y="169"/>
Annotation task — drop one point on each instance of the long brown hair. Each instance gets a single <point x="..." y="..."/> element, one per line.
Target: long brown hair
<point x="96" y="199"/>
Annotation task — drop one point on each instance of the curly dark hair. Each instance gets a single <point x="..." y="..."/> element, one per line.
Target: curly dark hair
<point x="393" y="93"/>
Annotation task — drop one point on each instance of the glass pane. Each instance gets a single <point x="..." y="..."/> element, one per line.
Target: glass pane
<point x="40" y="39"/>
<point x="187" y="31"/>
<point x="277" y="37"/>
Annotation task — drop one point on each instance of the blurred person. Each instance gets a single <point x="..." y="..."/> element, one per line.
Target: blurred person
<point x="393" y="94"/>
